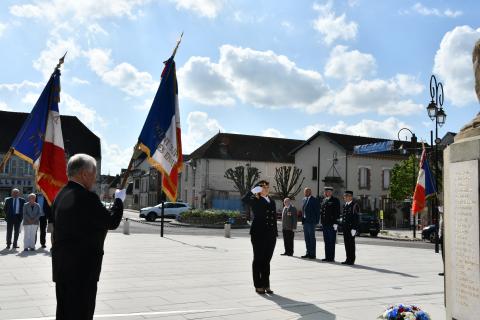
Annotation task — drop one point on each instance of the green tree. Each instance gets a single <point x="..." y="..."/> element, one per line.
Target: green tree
<point x="286" y="179"/>
<point x="403" y="180"/>
<point x="243" y="180"/>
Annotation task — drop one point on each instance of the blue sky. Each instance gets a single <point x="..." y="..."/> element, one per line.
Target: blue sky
<point x="277" y="68"/>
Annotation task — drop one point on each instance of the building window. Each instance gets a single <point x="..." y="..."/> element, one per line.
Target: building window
<point x="186" y="173"/>
<point x="364" y="178"/>
<point x="314" y="173"/>
<point x="223" y="195"/>
<point x="385" y="179"/>
<point x="364" y="203"/>
<point x="135" y="199"/>
<point x="137" y="184"/>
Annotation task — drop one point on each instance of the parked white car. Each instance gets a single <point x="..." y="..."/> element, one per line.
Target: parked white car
<point x="172" y="210"/>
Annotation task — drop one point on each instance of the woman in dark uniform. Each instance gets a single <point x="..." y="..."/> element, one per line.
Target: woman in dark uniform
<point x="263" y="233"/>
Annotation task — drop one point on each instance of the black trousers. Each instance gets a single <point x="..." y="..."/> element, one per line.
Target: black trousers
<point x="76" y="300"/>
<point x="349" y="246"/>
<point x="288" y="236"/>
<point x="13" y="224"/>
<point x="329" y="237"/>
<point x="263" y="247"/>
<point x="43" y="230"/>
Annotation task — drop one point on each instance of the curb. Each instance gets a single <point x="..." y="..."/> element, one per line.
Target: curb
<point x="207" y="226"/>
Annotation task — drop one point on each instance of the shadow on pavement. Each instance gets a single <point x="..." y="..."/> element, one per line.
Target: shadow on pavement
<point x="304" y="310"/>
<point x="5" y="251"/>
<point x="357" y="266"/>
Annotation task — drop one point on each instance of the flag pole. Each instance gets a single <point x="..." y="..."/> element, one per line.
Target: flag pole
<point x="129" y="168"/>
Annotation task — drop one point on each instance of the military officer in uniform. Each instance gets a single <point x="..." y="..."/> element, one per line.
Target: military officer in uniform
<point x="350" y="225"/>
<point x="263" y="234"/>
<point x="329" y="216"/>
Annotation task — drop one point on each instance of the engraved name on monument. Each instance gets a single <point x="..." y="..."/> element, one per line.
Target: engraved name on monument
<point x="465" y="262"/>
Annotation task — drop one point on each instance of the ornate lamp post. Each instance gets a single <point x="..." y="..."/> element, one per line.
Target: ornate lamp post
<point x="435" y="112"/>
<point x="413" y="152"/>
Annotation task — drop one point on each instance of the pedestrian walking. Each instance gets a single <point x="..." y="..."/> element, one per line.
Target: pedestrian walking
<point x="310" y="218"/>
<point x="350" y="224"/>
<point x="263" y="234"/>
<point x="289" y="225"/>
<point x="31" y="220"/>
<point x="14" y="216"/>
<point x="329" y="214"/>
<point x="81" y="225"/>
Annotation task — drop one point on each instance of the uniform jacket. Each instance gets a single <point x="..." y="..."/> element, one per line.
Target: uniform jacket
<point x="9" y="208"/>
<point x="350" y="216"/>
<point x="31" y="214"/>
<point x="264" y="215"/>
<point x="81" y="225"/>
<point x="330" y="211"/>
<point x="311" y="210"/>
<point x="289" y="218"/>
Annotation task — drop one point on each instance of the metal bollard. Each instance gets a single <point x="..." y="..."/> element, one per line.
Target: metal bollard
<point x="126" y="226"/>
<point x="227" y="228"/>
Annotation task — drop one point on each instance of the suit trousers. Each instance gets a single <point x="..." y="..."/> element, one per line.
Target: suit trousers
<point x="288" y="236"/>
<point x="310" y="240"/>
<point x="29" y="234"/>
<point x="263" y="247"/>
<point x="329" y="237"/>
<point x="76" y="300"/>
<point x="349" y="242"/>
<point x="43" y="231"/>
<point x="13" y="224"/>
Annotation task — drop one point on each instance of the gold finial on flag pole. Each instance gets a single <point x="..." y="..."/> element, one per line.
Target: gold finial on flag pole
<point x="178" y="43"/>
<point x="61" y="61"/>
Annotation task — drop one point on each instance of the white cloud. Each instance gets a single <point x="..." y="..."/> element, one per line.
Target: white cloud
<point x="200" y="127"/>
<point x="333" y="27"/>
<point x="387" y="128"/>
<point x="310" y="130"/>
<point x="81" y="11"/>
<point x="55" y="50"/>
<point x="426" y="11"/>
<point x="124" y="76"/>
<point x="453" y="64"/>
<point x="30" y="99"/>
<point x="349" y="65"/>
<point x="79" y="81"/>
<point x="5" y="107"/>
<point x="3" y="27"/>
<point x="272" y="132"/>
<point x="114" y="157"/>
<point x="386" y="97"/>
<point x="89" y="116"/>
<point x="95" y="28"/>
<point x="20" y="86"/>
<point x="287" y="25"/>
<point x="204" y="8"/>
<point x="260" y="78"/>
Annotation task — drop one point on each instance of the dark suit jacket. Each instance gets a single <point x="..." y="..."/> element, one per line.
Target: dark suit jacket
<point x="350" y="216"/>
<point x="81" y="225"/>
<point x="264" y="215"/>
<point x="9" y="208"/>
<point x="311" y="211"/>
<point x="330" y="211"/>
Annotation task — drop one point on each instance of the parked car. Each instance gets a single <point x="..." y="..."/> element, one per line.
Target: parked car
<point x="172" y="210"/>
<point x="428" y="233"/>
<point x="369" y="223"/>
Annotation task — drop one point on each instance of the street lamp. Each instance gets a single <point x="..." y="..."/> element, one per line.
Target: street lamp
<point x="413" y="147"/>
<point x="435" y="112"/>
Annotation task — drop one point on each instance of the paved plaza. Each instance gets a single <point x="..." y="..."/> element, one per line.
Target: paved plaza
<point x="209" y="277"/>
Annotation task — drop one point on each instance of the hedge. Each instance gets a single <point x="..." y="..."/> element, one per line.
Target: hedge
<point x="213" y="217"/>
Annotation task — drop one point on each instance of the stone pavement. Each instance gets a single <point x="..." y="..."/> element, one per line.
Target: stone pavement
<point x="207" y="277"/>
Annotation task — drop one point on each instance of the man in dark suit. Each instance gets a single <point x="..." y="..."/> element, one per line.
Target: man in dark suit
<point x="42" y="202"/>
<point x="81" y="225"/>
<point x="329" y="213"/>
<point x="14" y="217"/>
<point x="350" y="225"/>
<point x="310" y="218"/>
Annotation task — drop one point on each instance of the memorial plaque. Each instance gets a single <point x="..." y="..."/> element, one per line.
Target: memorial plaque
<point x="464" y="262"/>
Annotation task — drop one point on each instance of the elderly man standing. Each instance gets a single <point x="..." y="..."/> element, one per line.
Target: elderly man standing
<point x="289" y="225"/>
<point x="14" y="216"/>
<point x="81" y="225"/>
<point x="310" y="218"/>
<point x="31" y="219"/>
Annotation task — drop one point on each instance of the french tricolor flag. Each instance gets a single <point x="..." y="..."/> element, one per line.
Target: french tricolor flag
<point x="425" y="185"/>
<point x="40" y="140"/>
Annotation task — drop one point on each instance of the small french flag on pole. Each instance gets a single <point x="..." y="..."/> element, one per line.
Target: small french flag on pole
<point x="425" y="185"/>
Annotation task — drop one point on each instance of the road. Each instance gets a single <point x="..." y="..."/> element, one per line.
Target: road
<point x="154" y="228"/>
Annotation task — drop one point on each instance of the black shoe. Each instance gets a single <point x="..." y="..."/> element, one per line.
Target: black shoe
<point x="26" y="249"/>
<point x="284" y="254"/>
<point x="328" y="260"/>
<point x="8" y="247"/>
<point x="268" y="290"/>
<point x="44" y="246"/>
<point x="260" y="290"/>
<point x="312" y="257"/>
<point x="289" y="254"/>
<point x="344" y="262"/>
<point x="15" y="246"/>
<point x="305" y="256"/>
<point x="442" y="274"/>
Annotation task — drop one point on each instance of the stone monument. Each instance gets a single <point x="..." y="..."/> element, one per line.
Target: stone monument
<point x="462" y="210"/>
